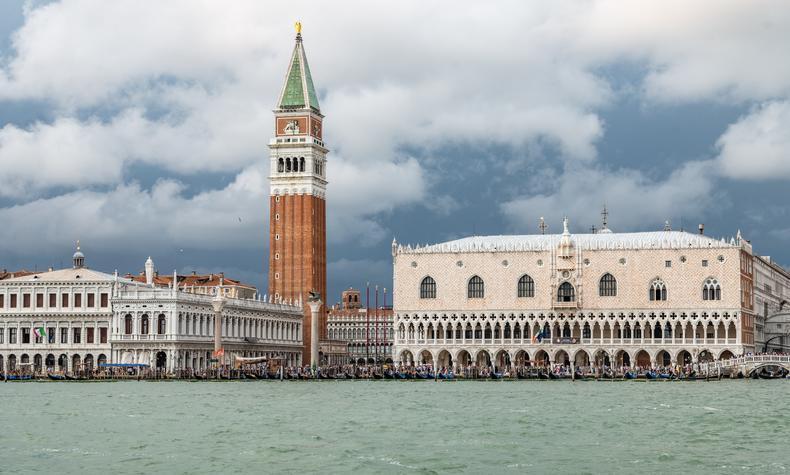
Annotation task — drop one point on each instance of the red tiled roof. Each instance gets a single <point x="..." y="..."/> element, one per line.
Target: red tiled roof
<point x="4" y="274"/>
<point x="193" y="280"/>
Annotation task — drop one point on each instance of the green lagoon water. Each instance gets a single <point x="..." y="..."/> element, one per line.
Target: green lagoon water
<point x="396" y="427"/>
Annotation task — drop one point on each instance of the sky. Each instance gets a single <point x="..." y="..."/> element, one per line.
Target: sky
<point x="141" y="128"/>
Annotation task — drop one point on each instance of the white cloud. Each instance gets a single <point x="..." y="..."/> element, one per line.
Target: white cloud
<point x="215" y="73"/>
<point x="633" y="199"/>
<point x="218" y="134"/>
<point x="357" y="192"/>
<point x="164" y="217"/>
<point x="691" y="51"/>
<point x="757" y="147"/>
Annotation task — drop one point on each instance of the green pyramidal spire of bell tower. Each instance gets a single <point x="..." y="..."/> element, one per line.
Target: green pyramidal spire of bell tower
<point x="299" y="91"/>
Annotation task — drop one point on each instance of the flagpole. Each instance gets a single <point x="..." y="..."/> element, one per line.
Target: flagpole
<point x="386" y="326"/>
<point x="367" y="322"/>
<point x="376" y="326"/>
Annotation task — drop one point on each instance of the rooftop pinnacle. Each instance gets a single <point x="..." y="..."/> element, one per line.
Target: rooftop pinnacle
<point x="298" y="91"/>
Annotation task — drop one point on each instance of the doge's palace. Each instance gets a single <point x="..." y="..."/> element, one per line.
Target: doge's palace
<point x="622" y="299"/>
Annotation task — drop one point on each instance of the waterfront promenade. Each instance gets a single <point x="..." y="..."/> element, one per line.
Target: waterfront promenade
<point x="760" y="366"/>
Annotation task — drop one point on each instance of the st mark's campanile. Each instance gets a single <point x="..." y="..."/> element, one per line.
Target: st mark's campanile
<point x="297" y="208"/>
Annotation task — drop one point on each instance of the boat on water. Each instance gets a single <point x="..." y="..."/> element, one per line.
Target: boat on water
<point x="19" y="377"/>
<point x="771" y="374"/>
<point x="651" y="375"/>
<point x="630" y="375"/>
<point x="580" y="376"/>
<point x="56" y="377"/>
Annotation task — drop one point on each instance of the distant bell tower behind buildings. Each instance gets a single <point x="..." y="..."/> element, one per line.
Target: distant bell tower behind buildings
<point x="297" y="208"/>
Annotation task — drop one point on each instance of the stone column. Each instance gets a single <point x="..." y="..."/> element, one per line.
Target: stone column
<point x="218" y="303"/>
<point x="738" y="325"/>
<point x="315" y="307"/>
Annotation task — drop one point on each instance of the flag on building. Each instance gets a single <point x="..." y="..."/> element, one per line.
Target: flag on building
<point x="40" y="332"/>
<point x="220" y="352"/>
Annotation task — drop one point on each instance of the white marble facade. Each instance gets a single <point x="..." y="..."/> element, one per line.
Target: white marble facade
<point x="90" y="317"/>
<point x="174" y="330"/>
<point x="74" y="309"/>
<point x="652" y="298"/>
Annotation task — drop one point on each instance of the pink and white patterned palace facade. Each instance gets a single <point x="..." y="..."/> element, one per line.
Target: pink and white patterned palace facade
<point x="623" y="299"/>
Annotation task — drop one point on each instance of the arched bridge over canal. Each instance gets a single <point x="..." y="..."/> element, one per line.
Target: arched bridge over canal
<point x="745" y="364"/>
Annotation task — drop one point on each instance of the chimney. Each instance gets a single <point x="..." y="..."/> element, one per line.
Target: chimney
<point x="701" y="228"/>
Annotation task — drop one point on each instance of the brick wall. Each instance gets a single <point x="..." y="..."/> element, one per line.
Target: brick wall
<point x="297" y="254"/>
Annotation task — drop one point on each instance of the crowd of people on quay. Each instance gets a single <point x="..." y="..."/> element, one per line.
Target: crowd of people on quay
<point x="470" y="372"/>
<point x="263" y="370"/>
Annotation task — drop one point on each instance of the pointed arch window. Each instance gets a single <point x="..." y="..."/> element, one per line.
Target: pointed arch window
<point x="280" y="165"/>
<point x="428" y="288"/>
<point x="475" y="288"/>
<point x="658" y="290"/>
<point x="711" y="290"/>
<point x="526" y="286"/>
<point x="566" y="293"/>
<point x="607" y="286"/>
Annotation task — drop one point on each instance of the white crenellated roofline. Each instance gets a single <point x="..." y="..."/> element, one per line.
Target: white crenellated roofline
<point x="599" y="241"/>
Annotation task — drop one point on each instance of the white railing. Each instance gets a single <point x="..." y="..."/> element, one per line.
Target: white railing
<point x="744" y="361"/>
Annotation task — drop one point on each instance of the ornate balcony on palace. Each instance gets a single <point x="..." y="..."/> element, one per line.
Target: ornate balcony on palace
<point x="597" y="340"/>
